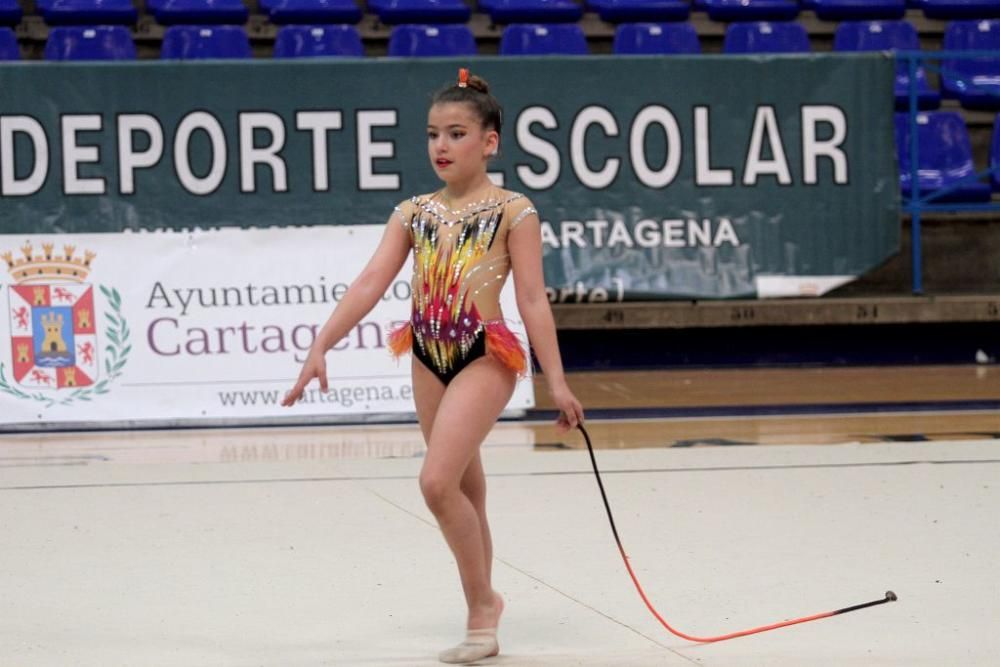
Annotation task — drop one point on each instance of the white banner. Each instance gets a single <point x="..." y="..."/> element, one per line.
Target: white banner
<point x="203" y="325"/>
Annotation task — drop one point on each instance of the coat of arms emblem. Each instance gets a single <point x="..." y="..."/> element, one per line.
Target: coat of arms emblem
<point x="54" y="327"/>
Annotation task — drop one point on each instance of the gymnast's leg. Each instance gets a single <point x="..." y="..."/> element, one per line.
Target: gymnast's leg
<point x="466" y="411"/>
<point x="473" y="484"/>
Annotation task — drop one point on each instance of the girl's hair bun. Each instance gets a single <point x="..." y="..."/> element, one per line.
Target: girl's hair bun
<point x="479" y="84"/>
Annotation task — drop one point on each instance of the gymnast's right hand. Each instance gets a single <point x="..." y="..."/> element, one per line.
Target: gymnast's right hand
<point x="314" y="367"/>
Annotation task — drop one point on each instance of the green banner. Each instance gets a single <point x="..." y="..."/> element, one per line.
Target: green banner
<point x="677" y="177"/>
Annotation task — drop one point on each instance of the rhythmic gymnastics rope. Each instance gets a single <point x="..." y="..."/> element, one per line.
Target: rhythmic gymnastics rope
<point x="889" y="595"/>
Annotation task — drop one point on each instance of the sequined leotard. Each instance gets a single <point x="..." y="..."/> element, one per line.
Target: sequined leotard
<point x="460" y="263"/>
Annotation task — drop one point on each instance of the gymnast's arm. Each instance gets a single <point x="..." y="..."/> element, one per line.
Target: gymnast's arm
<point x="360" y="298"/>
<point x="524" y="243"/>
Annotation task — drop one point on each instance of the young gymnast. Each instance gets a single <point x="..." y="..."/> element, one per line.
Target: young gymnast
<point x="465" y="239"/>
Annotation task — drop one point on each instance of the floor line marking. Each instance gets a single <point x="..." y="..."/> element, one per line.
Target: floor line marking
<point x="768" y="417"/>
<point x="547" y="473"/>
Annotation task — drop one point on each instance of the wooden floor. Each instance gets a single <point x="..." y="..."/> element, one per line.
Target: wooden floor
<point x="791" y="386"/>
<point x="641" y="409"/>
<point x="784" y="406"/>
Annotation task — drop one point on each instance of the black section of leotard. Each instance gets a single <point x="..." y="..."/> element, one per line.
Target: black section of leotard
<point x="496" y="227"/>
<point x="477" y="350"/>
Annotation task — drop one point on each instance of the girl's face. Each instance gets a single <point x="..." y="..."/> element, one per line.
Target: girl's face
<point x="457" y="143"/>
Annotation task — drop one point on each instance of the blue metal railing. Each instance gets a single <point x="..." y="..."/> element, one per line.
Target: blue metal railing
<point x="919" y="201"/>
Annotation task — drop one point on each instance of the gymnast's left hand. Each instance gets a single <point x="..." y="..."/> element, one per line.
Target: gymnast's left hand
<point x="314" y="367"/>
<point x="570" y="409"/>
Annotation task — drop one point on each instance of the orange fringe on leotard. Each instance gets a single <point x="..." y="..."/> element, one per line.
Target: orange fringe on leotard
<point x="401" y="340"/>
<point x="501" y="344"/>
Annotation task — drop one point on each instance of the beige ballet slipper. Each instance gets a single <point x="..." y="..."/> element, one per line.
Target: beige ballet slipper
<point x="478" y="644"/>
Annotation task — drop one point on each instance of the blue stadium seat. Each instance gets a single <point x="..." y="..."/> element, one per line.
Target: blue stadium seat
<point x="310" y="41"/>
<point x="543" y="39"/>
<point x="89" y="12"/>
<point x="976" y="83"/>
<point x="8" y="45"/>
<point x="945" y="157"/>
<point x="198" y="42"/>
<point x="304" y="12"/>
<point x="537" y="39"/>
<point x="961" y="9"/>
<point x="398" y="12"/>
<point x="432" y="40"/>
<point x="765" y="37"/>
<point x="995" y="155"/>
<point x="200" y="12"/>
<point x="535" y="11"/>
<point x="99" y="42"/>
<point x="10" y="12"/>
<point x="889" y="36"/>
<point x="752" y="10"/>
<point x="638" y="11"/>
<point x="656" y="38"/>
<point x="859" y="10"/>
